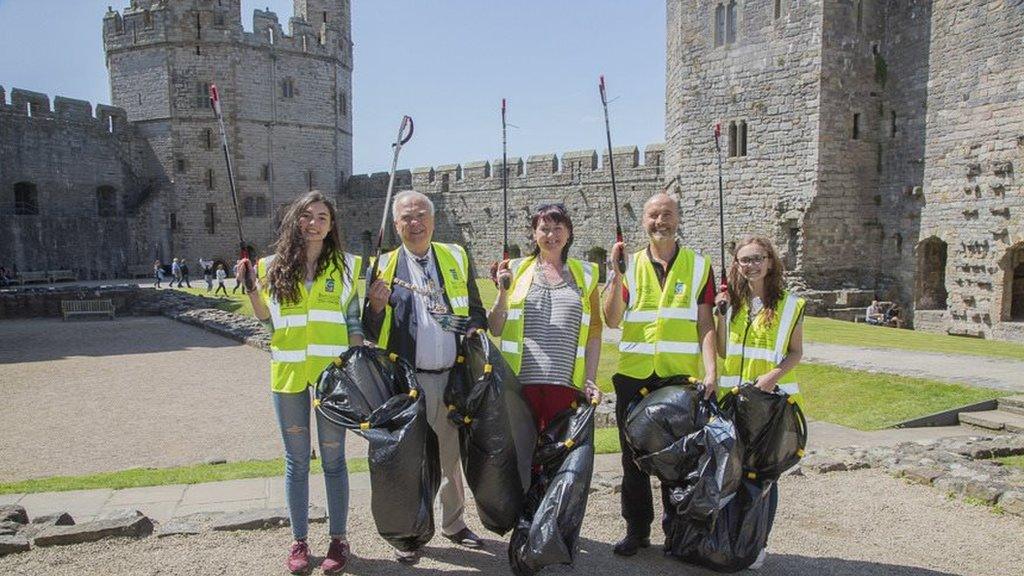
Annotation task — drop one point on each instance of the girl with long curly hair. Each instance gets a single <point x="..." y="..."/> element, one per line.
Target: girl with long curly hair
<point x="306" y="293"/>
<point x="761" y="335"/>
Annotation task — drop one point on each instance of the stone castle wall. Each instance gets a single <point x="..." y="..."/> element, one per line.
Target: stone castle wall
<point x="974" y="158"/>
<point x="468" y="201"/>
<point x="65" y="154"/>
<point x="286" y="97"/>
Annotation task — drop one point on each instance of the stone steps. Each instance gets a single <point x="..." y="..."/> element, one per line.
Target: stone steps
<point x="1000" y="419"/>
<point x="1013" y="404"/>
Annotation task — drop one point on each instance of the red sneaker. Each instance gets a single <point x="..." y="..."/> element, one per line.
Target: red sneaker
<point x="337" y="556"/>
<point x="298" y="557"/>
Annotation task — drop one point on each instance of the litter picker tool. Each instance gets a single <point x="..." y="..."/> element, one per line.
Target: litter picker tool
<point x="243" y="250"/>
<point x="505" y="282"/>
<point x="721" y="214"/>
<point x="621" y="261"/>
<point x="405" y="130"/>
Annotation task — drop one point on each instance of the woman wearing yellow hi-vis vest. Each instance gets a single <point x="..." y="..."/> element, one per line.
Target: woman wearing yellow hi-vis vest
<point x="761" y="335"/>
<point x="306" y="293"/>
<point x="549" y="318"/>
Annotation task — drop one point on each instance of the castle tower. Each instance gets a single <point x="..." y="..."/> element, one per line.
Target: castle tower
<point x="286" y="98"/>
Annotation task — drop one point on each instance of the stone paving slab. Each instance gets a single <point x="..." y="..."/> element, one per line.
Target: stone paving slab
<point x="78" y="503"/>
<point x="148" y="495"/>
<point x="226" y="491"/>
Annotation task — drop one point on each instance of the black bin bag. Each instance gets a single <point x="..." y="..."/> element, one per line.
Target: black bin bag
<point x="771" y="427"/>
<point x="496" y="430"/>
<point x="376" y="395"/>
<point x="548" y="530"/>
<point x="683" y="439"/>
<point x="737" y="536"/>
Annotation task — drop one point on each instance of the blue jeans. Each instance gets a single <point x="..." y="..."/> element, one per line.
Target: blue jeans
<point x="293" y="418"/>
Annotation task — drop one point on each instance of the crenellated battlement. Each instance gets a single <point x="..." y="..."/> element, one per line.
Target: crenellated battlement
<point x="36" y="106"/>
<point x="574" y="167"/>
<point x="159" y="21"/>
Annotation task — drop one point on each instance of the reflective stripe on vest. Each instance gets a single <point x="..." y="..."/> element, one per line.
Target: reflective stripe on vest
<point x="452" y="263"/>
<point x="755" y="348"/>
<point x="308" y="334"/>
<point x="659" y="327"/>
<point x="585" y="276"/>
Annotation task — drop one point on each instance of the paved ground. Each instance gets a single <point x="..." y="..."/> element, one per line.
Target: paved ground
<point x="984" y="371"/>
<point x="844" y="524"/>
<point x="999" y="373"/>
<point x="92" y="396"/>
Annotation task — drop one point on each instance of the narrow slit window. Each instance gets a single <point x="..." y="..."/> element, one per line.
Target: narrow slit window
<point x="856" y="126"/>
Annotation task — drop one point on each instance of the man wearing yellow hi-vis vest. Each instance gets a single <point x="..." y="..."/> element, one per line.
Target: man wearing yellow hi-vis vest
<point x="663" y="302"/>
<point x="425" y="293"/>
<point x="761" y="335"/>
<point x="548" y="318"/>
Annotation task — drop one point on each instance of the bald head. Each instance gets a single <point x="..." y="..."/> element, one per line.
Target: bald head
<point x="661" y="217"/>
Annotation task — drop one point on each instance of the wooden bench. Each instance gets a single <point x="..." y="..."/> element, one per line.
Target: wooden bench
<point x="32" y="277"/>
<point x="57" y="275"/>
<point x="87" y="307"/>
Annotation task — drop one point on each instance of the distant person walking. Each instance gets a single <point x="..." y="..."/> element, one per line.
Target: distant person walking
<point x="175" y="272"/>
<point x="158" y="273"/>
<point x="183" y="266"/>
<point x="239" y="272"/>
<point x="221" y="276"/>
<point x="207" y="266"/>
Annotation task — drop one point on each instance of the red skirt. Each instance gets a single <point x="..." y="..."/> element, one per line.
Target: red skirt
<point x="547" y="400"/>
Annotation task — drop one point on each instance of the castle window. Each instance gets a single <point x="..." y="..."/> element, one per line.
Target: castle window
<point x="860" y="16"/>
<point x="208" y="138"/>
<point x="199" y="27"/>
<point x="106" y="201"/>
<point x="742" y="144"/>
<point x="218" y="19"/>
<point x="26" y="199"/>
<point x="730" y="23"/>
<point x="304" y="43"/>
<point x="287" y="88"/>
<point x="445" y="182"/>
<point x="147" y="19"/>
<point x="254" y="206"/>
<point x="179" y="165"/>
<point x="209" y="179"/>
<point x="310" y="180"/>
<point x="343" y="104"/>
<point x="856" y="126"/>
<point x="719" y="25"/>
<point x="210" y="218"/>
<point x="173" y="221"/>
<point x="202" y="95"/>
<point x="733" y="137"/>
<point x="777" y="11"/>
<point x="892" y="123"/>
<point x="325" y="16"/>
<point x="270" y="36"/>
<point x="265" y="172"/>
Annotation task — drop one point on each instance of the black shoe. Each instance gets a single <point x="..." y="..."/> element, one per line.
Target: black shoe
<point x="467" y="538"/>
<point x="629" y="545"/>
<point x="410" y="557"/>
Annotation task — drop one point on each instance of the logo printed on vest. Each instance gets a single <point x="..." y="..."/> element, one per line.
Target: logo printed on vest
<point x="680" y="286"/>
<point x="454" y="272"/>
<point x="329" y="285"/>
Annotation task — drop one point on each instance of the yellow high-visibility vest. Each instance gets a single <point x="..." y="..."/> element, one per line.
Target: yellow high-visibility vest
<point x="659" y="328"/>
<point x="453" y="264"/>
<point x="755" y="347"/>
<point x="312" y="332"/>
<point x="585" y="275"/>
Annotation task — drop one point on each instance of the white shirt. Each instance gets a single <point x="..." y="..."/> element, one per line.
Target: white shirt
<point x="435" y="348"/>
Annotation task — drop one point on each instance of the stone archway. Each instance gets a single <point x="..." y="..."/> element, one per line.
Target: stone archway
<point x="1013" y="284"/>
<point x="930" y="285"/>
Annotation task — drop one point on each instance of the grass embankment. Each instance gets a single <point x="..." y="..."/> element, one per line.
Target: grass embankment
<point x="1013" y="461"/>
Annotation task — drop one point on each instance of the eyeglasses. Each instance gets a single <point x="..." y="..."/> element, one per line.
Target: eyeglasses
<point x="755" y="259"/>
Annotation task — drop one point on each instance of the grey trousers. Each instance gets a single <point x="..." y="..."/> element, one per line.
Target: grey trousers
<point x="452" y="493"/>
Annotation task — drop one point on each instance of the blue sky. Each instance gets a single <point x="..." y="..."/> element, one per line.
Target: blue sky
<point x="447" y="63"/>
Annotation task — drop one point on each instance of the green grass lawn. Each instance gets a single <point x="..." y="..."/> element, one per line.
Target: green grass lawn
<point x="1013" y="461"/>
<point x="828" y="331"/>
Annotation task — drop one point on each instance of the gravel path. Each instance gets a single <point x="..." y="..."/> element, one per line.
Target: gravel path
<point x="856" y="523"/>
<point x="93" y="396"/>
